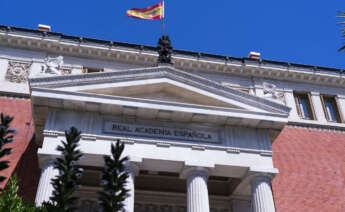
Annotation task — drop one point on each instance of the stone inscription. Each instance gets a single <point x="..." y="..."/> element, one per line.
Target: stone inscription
<point x="161" y="132"/>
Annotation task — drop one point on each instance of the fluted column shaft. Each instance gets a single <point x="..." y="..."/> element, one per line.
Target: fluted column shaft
<point x="45" y="188"/>
<point x="132" y="171"/>
<point x="262" y="195"/>
<point x="197" y="192"/>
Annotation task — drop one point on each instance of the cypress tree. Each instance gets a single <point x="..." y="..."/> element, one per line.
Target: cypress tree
<point x="67" y="182"/>
<point x="6" y="136"/>
<point x="113" y="180"/>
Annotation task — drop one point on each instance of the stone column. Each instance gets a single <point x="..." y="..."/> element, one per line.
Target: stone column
<point x="45" y="188"/>
<point x="197" y="192"/>
<point x="262" y="195"/>
<point x="132" y="170"/>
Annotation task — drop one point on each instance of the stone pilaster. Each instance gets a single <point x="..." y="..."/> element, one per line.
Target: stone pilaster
<point x="262" y="195"/>
<point x="341" y="106"/>
<point x="290" y="102"/>
<point x="132" y="170"/>
<point x="318" y="108"/>
<point x="45" y="188"/>
<point x="197" y="191"/>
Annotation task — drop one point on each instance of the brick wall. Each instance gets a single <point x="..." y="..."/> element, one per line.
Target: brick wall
<point x="312" y="170"/>
<point x="23" y="159"/>
<point x="28" y="173"/>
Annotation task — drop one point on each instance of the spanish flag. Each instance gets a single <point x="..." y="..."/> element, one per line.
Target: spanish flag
<point x="149" y="13"/>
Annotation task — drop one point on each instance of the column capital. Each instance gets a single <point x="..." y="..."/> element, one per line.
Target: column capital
<point x="257" y="172"/>
<point x="261" y="178"/>
<point x="44" y="160"/>
<point x="195" y="171"/>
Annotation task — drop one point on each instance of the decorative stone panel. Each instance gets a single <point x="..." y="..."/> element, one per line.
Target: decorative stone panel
<point x="18" y="72"/>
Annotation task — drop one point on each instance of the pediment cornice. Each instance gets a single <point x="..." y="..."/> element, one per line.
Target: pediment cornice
<point x="74" y="83"/>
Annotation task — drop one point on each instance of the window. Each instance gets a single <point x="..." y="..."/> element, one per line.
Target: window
<point x="331" y="108"/>
<point x="87" y="70"/>
<point x="304" y="107"/>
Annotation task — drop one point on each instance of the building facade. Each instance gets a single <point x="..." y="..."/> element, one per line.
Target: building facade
<point x="205" y="133"/>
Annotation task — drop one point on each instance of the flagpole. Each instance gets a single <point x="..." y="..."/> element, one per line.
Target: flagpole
<point x="163" y="18"/>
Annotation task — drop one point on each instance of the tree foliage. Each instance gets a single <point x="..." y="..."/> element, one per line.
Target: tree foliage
<point x="10" y="201"/>
<point x="67" y="182"/>
<point x="342" y="16"/>
<point x="113" y="180"/>
<point x="6" y="136"/>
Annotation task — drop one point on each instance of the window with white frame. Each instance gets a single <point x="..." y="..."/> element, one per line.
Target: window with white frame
<point x="304" y="106"/>
<point x="330" y="108"/>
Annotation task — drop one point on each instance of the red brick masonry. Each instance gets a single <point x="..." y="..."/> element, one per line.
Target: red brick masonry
<point x="312" y="170"/>
<point x="23" y="159"/>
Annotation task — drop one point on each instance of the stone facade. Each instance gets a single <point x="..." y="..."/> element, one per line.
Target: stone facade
<point x="206" y="133"/>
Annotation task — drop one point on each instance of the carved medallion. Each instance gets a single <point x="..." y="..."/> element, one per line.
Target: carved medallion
<point x="18" y="72"/>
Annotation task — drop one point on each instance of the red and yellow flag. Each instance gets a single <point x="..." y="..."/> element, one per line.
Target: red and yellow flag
<point x="149" y="13"/>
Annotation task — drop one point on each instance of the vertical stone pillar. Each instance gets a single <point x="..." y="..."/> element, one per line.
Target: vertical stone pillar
<point x="132" y="170"/>
<point x="341" y="106"/>
<point x="318" y="108"/>
<point x="45" y="188"/>
<point x="197" y="192"/>
<point x="262" y="195"/>
<point x="290" y="102"/>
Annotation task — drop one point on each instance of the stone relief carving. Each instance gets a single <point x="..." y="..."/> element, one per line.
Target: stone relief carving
<point x="52" y="65"/>
<point x="271" y="92"/>
<point x="18" y="72"/>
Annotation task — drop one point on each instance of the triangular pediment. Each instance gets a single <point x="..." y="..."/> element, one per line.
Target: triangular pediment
<point x="163" y="92"/>
<point x="156" y="93"/>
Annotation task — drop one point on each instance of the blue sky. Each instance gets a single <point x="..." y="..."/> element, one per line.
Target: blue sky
<point x="300" y="31"/>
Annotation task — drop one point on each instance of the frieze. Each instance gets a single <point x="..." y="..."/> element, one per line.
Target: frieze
<point x="168" y="133"/>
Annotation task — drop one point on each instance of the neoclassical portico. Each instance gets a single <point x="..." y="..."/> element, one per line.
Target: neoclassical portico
<point x="179" y="128"/>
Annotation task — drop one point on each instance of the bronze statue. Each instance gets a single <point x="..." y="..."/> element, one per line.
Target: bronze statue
<point x="164" y="50"/>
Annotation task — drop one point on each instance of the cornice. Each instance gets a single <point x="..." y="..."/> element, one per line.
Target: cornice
<point x="329" y="127"/>
<point x="19" y="95"/>
<point x="146" y="55"/>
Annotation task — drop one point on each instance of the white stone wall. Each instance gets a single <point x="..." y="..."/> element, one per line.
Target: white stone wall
<point x="239" y="147"/>
<point x="254" y="85"/>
